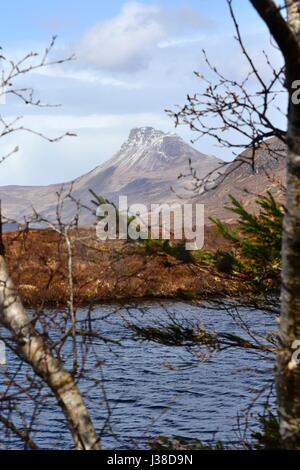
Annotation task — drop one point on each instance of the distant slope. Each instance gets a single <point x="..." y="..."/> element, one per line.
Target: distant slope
<point x="246" y="184"/>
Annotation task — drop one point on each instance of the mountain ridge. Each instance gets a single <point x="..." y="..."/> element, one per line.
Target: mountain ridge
<point x="146" y="167"/>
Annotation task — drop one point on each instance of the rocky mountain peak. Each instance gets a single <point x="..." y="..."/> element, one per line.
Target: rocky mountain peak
<point x="143" y="133"/>
<point x="147" y="136"/>
<point x="149" y="149"/>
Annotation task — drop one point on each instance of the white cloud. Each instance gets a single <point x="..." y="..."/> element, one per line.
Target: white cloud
<point x="125" y="42"/>
<point x="180" y="41"/>
<point x="89" y="76"/>
<point x="49" y="123"/>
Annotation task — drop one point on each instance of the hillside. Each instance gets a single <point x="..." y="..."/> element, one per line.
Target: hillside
<point x="245" y="183"/>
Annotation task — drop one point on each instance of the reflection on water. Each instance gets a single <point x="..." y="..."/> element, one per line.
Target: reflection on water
<point x="152" y="389"/>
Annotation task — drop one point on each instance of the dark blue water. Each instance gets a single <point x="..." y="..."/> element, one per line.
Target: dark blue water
<point x="145" y="389"/>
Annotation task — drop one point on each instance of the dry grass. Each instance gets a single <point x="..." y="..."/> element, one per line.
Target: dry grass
<point x="104" y="271"/>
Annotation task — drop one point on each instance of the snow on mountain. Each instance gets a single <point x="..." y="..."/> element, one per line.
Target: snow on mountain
<point x="148" y="149"/>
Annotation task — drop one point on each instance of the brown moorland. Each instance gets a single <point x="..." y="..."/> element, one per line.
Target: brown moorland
<point x="106" y="271"/>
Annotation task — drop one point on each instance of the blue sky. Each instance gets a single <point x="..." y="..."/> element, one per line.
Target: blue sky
<point x="134" y="59"/>
<point x="36" y="20"/>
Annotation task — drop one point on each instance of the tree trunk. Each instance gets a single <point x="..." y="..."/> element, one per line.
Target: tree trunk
<point x="35" y="352"/>
<point x="286" y="32"/>
<point x="288" y="368"/>
<point x="288" y="374"/>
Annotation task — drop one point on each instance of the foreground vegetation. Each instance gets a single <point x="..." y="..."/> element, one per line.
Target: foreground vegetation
<point x="236" y="261"/>
<point x="104" y="271"/>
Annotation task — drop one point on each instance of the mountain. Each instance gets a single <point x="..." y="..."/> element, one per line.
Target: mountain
<point x="144" y="169"/>
<point x="246" y="182"/>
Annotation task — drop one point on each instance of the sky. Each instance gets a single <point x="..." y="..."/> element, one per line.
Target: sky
<point x="134" y="59"/>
